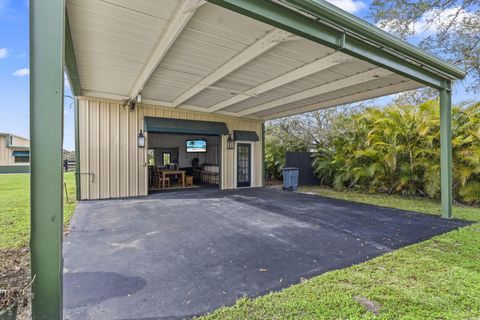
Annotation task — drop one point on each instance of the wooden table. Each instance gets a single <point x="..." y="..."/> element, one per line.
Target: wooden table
<point x="172" y="173"/>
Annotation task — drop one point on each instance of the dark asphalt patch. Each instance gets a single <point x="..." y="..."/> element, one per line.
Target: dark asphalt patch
<point x="179" y="254"/>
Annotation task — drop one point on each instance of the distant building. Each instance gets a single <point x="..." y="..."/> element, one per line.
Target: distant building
<point x="14" y="154"/>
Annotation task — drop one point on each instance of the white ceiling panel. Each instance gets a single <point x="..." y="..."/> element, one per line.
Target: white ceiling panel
<point x="340" y="97"/>
<point x="317" y="79"/>
<point x="218" y="61"/>
<point x="147" y="8"/>
<point x="112" y="40"/>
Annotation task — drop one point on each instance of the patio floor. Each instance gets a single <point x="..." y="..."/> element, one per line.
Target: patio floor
<point x="174" y="255"/>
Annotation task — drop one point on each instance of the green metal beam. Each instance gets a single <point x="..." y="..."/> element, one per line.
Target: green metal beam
<point x="47" y="19"/>
<point x="446" y="151"/>
<point x="78" y="189"/>
<point x="341" y="39"/>
<point x="71" y="61"/>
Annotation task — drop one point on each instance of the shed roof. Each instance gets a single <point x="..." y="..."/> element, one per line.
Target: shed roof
<point x="245" y="58"/>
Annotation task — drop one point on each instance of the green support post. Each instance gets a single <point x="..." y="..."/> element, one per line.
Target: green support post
<point x="446" y="151"/>
<point x="46" y="136"/>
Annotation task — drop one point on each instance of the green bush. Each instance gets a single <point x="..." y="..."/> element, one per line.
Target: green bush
<point x="278" y="141"/>
<point x="397" y="150"/>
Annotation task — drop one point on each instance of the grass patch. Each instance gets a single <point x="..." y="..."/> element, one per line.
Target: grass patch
<point x="15" y="208"/>
<point x="15" y="233"/>
<point x="416" y="204"/>
<point x="435" y="279"/>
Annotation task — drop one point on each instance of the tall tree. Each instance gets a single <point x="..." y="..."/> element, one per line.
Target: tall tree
<point x="448" y="28"/>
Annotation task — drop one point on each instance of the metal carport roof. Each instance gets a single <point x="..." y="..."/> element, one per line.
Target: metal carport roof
<point x="247" y="58"/>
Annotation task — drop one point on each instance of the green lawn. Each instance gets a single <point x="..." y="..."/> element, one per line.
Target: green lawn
<point x="15" y="208"/>
<point x="435" y="279"/>
<point x="393" y="201"/>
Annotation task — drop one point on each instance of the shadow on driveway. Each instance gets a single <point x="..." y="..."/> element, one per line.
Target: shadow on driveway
<point x="107" y="285"/>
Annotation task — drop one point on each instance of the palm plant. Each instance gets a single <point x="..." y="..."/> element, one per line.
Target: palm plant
<point x="397" y="150"/>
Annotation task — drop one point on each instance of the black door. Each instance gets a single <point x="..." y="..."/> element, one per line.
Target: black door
<point x="244" y="165"/>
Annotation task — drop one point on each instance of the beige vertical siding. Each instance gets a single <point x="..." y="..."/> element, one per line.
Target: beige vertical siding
<point x="6" y="157"/>
<point x="109" y="167"/>
<point x="112" y="165"/>
<point x="6" y="154"/>
<point x="20" y="142"/>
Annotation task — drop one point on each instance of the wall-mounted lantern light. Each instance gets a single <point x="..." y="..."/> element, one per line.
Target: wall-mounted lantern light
<point x="230" y="143"/>
<point x="141" y="140"/>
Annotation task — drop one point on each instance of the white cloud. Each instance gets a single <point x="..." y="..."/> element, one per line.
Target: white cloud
<point x="22" y="72"/>
<point x="3" y="53"/>
<point x="432" y="21"/>
<point x="352" y="6"/>
<point x="66" y="83"/>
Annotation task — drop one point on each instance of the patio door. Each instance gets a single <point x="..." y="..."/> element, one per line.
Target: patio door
<point x="244" y="165"/>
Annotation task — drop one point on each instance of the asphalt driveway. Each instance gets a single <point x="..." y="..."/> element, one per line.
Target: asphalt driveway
<point x="179" y="254"/>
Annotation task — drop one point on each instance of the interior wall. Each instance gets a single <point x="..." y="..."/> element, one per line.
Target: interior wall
<point x="113" y="166"/>
<point x="159" y="153"/>
<point x="166" y="140"/>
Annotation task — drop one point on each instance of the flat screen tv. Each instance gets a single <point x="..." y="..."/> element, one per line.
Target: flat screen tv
<point x="197" y="145"/>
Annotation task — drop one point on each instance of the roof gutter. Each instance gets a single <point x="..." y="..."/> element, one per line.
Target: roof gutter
<point x="352" y="25"/>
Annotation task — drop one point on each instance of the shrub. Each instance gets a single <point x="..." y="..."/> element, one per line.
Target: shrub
<point x="397" y="150"/>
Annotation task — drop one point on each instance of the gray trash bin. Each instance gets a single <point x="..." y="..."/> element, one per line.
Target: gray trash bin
<point x="290" y="179"/>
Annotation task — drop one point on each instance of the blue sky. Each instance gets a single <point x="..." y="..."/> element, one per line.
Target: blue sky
<point x="14" y="69"/>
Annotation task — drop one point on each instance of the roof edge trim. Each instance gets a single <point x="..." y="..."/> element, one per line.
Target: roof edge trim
<point x="356" y="26"/>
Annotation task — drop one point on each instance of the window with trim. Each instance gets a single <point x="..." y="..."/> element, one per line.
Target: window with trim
<point x="22" y="159"/>
<point x="166" y="158"/>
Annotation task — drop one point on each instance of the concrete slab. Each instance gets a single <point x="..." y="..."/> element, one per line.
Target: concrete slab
<point x="178" y="254"/>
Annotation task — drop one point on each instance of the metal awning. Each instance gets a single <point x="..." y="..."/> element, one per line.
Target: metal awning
<point x="247" y="58"/>
<point x="240" y="135"/>
<point x="169" y="125"/>
<point x="21" y="153"/>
